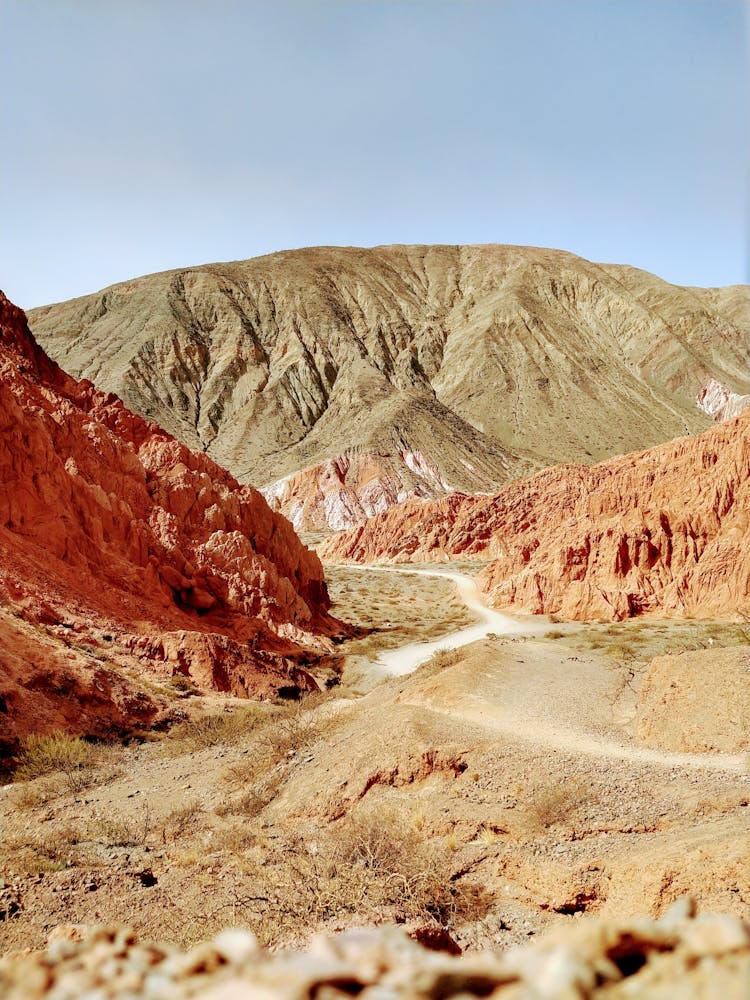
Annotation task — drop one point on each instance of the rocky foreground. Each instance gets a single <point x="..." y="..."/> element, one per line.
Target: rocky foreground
<point x="125" y="555"/>
<point x="402" y="371"/>
<point x="661" y="531"/>
<point x="677" y="956"/>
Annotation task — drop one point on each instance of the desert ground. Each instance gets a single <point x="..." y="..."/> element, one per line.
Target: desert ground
<point x="519" y="782"/>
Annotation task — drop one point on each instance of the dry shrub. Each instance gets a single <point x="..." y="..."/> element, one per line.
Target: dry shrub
<point x="553" y="804"/>
<point x="215" y="729"/>
<point x="28" y="795"/>
<point x="183" y="685"/>
<point x="374" y="867"/>
<point x="235" y="838"/>
<point x="253" y="800"/>
<point x="43" y="849"/>
<point x="120" y="830"/>
<point x="56" y="752"/>
<point x="554" y="634"/>
<point x="286" y="734"/>
<point x="57" y="763"/>
<point x="181" y="821"/>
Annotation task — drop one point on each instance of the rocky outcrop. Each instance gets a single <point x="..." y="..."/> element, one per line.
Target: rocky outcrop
<point x="676" y="956"/>
<point x="112" y="532"/>
<point x="344" y="491"/>
<point x="665" y="530"/>
<point x="719" y="402"/>
<point x="488" y="361"/>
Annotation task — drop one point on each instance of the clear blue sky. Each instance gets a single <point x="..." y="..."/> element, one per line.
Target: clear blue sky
<point x="139" y="135"/>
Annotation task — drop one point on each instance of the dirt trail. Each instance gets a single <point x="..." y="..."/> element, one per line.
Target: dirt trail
<point x="521" y="703"/>
<point x="406" y="659"/>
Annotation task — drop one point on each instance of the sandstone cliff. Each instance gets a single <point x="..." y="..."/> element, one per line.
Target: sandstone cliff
<point x="486" y="361"/>
<point x="666" y="530"/>
<point x="116" y="535"/>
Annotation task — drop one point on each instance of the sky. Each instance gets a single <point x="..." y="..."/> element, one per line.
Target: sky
<point x="141" y="135"/>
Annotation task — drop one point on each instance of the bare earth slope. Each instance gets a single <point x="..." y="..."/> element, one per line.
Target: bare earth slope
<point x="662" y="530"/>
<point x="399" y="371"/>
<point x="113" y="532"/>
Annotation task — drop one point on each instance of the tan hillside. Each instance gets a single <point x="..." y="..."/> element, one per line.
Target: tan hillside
<point x="662" y="530"/>
<point x="415" y="370"/>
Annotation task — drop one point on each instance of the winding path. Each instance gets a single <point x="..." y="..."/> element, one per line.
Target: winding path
<point x="528" y="719"/>
<point x="406" y="659"/>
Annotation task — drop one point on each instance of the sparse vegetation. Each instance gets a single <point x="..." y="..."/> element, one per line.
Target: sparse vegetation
<point x="76" y="763"/>
<point x="375" y="866"/>
<point x="214" y="729"/>
<point x="394" y="609"/>
<point x="551" y="804"/>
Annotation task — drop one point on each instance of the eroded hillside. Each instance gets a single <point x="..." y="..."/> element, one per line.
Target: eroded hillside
<point x="664" y="530"/>
<point x="372" y="376"/>
<point x="123" y="554"/>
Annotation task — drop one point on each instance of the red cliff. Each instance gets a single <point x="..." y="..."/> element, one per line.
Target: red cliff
<point x="663" y="531"/>
<point x="110" y="526"/>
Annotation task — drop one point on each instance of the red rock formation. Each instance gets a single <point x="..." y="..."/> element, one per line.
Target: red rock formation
<point x="107" y="524"/>
<point x="660" y="531"/>
<point x="344" y="491"/>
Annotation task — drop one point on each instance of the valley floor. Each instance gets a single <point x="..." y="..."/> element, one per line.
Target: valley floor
<point x="500" y="788"/>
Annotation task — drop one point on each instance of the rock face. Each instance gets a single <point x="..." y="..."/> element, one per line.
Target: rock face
<point x="344" y="491"/>
<point x="665" y="530"/>
<point x="486" y="361"/>
<point x="111" y="531"/>
<point x="719" y="402"/>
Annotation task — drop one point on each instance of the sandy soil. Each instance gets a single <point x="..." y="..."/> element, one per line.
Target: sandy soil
<point x="516" y="761"/>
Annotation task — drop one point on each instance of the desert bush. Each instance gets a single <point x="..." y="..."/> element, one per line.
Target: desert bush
<point x="210" y="730"/>
<point x="372" y="867"/>
<point x="183" y="684"/>
<point x="121" y="830"/>
<point x="253" y="800"/>
<point x="41" y="755"/>
<point x="181" y="821"/>
<point x="553" y="804"/>
<point x="43" y="848"/>
<point x="235" y="838"/>
<point x="28" y="795"/>
<point x="554" y="634"/>
<point x="288" y="732"/>
<point x="384" y="863"/>
<point x="446" y="658"/>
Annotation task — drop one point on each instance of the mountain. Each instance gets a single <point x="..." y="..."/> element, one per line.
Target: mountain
<point x="123" y="554"/>
<point x="663" y="531"/>
<point x="344" y="380"/>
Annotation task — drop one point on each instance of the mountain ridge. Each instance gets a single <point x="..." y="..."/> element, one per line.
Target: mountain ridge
<point x="506" y="359"/>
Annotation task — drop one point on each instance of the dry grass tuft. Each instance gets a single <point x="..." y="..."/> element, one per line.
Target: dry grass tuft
<point x="57" y="763"/>
<point x="553" y="805"/>
<point x="41" y="755"/>
<point x="210" y="730"/>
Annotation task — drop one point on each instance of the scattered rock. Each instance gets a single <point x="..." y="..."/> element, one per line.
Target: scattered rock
<point x="707" y="957"/>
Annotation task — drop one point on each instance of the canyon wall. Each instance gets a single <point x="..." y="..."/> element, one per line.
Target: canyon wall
<point x="115" y="536"/>
<point x="663" y="531"/>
